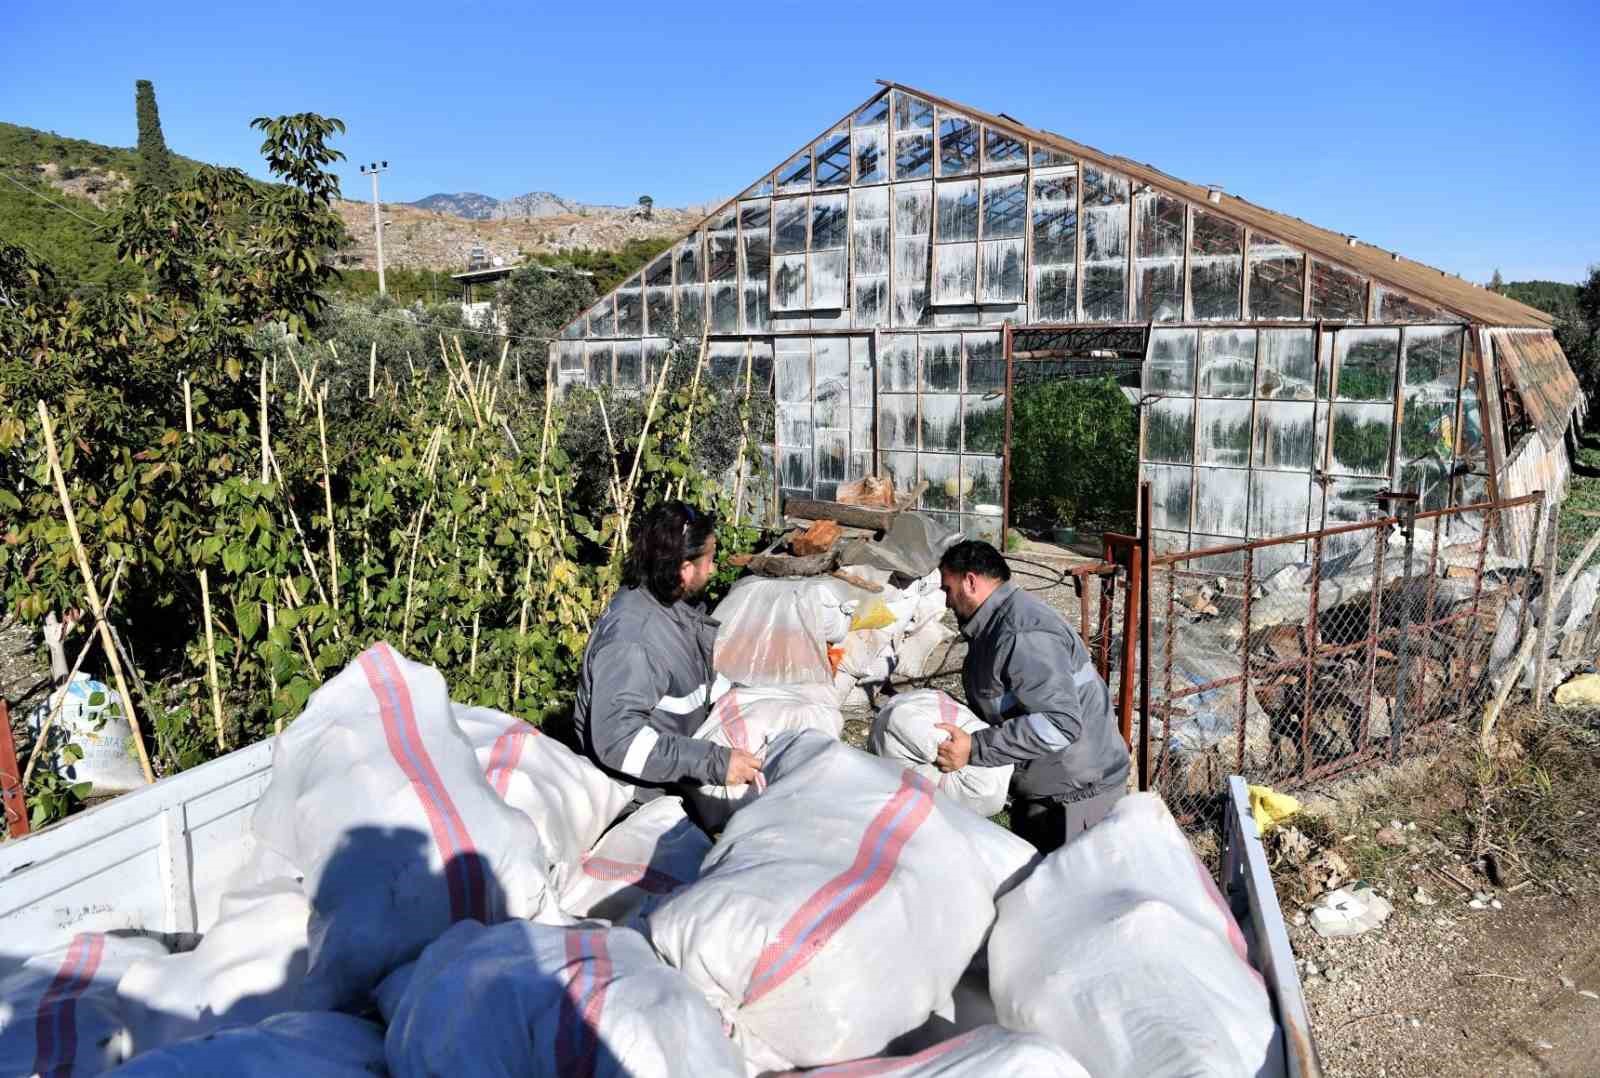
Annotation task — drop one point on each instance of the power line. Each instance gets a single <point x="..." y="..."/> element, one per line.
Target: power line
<point x="43" y="198"/>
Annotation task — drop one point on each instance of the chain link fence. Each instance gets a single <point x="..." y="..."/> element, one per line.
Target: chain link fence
<point x="1296" y="659"/>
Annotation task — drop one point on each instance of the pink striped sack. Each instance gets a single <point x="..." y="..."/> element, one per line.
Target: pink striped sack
<point x="646" y="857"/>
<point x="986" y="1052"/>
<point x="905" y="730"/>
<point x="570" y="801"/>
<point x="306" y="1044"/>
<point x="531" y="999"/>
<point x="749" y="718"/>
<point x="60" y="1015"/>
<point x="378" y="799"/>
<point x="839" y="909"/>
<point x="1120" y="948"/>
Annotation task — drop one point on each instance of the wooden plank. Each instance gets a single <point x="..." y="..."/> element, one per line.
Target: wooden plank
<point x="855" y="515"/>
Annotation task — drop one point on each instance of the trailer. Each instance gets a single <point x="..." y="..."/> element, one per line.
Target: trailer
<point x="157" y="861"/>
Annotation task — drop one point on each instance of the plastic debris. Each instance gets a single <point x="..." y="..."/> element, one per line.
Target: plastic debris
<point x="1349" y="911"/>
<point x="1269" y="807"/>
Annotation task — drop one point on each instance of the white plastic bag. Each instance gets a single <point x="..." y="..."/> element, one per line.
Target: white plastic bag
<point x="915" y="652"/>
<point x="776" y="632"/>
<point x="250" y="966"/>
<point x="318" y="1044"/>
<point x="650" y="854"/>
<point x="60" y="1013"/>
<point x="985" y="1052"/>
<point x="569" y="800"/>
<point x="748" y="719"/>
<point x="905" y="731"/>
<point x="530" y="999"/>
<point x="839" y="909"/>
<point x="1120" y="949"/>
<point x="869" y="654"/>
<point x="379" y="800"/>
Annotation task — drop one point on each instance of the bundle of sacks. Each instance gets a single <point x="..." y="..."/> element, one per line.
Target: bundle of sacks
<point x="440" y="889"/>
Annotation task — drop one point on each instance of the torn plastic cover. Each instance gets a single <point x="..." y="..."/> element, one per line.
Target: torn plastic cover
<point x="911" y="547"/>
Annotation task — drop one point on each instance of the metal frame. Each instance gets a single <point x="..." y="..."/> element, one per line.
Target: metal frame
<point x="13" y="798"/>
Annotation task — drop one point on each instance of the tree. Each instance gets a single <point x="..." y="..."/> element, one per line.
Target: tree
<point x="537" y="302"/>
<point x="155" y="162"/>
<point x="1496" y="283"/>
<point x="647" y="204"/>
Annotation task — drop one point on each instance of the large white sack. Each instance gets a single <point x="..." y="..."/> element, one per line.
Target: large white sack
<point x="59" y="1011"/>
<point x="652" y="853"/>
<point x="319" y="1044"/>
<point x="839" y="909"/>
<point x="1120" y="949"/>
<point x="986" y="1052"/>
<point x="916" y="652"/>
<point x="869" y="654"/>
<point x="536" y="1000"/>
<point x="250" y="966"/>
<point x="905" y="730"/>
<point x="569" y="800"/>
<point x="777" y="632"/>
<point x="378" y="799"/>
<point x="748" y="719"/>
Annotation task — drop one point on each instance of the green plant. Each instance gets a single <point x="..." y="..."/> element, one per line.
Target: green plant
<point x="1074" y="453"/>
<point x="155" y="162"/>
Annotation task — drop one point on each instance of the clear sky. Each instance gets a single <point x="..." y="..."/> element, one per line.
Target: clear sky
<point x="1462" y="134"/>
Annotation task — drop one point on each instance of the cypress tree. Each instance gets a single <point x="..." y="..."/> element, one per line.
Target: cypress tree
<point x="155" y="163"/>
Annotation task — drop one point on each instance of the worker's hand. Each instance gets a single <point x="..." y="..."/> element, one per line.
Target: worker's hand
<point x="743" y="767"/>
<point x="956" y="751"/>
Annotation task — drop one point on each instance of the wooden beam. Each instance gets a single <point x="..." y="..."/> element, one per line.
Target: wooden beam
<point x="854" y="515"/>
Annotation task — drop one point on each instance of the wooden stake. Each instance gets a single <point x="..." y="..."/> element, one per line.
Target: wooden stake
<point x="305" y="547"/>
<point x="327" y="495"/>
<point x="744" y="441"/>
<point x="1542" y="667"/>
<point x="411" y="572"/>
<point x="94" y="592"/>
<point x="299" y="630"/>
<point x="372" y="372"/>
<point x="272" y="678"/>
<point x="688" y="415"/>
<point x="544" y="438"/>
<point x="266" y="470"/>
<point x="522" y="630"/>
<point x="211" y="661"/>
<point x="505" y="350"/>
<point x="477" y="588"/>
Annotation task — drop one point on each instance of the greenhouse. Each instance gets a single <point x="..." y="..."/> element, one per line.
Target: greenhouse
<point x="896" y="279"/>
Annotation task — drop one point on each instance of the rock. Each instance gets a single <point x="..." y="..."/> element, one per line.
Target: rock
<point x="817" y="539"/>
<point x="1587" y="994"/>
<point x="1567" y="982"/>
<point x="1423" y="898"/>
<point x="1388" y="836"/>
<point x="1478" y="904"/>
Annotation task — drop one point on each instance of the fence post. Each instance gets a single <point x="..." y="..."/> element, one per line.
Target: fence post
<point x="1374" y="630"/>
<point x="1548" y="594"/>
<point x="13" y="798"/>
<point x="1397" y="721"/>
<point x="1145" y="511"/>
<point x="1313" y="616"/>
<point x="1244" y="659"/>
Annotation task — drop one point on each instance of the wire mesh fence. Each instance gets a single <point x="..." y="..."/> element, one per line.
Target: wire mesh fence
<point x="1296" y="659"/>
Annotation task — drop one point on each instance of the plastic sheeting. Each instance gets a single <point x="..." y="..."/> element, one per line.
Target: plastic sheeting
<point x="911" y="547"/>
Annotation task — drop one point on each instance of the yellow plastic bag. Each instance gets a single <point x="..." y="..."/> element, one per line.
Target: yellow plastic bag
<point x="1269" y="807"/>
<point x="874" y="615"/>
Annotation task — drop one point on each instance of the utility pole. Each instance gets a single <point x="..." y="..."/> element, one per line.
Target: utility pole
<point x="377" y="215"/>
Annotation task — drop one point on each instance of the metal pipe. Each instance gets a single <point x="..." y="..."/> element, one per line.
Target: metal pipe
<point x="1244" y="659"/>
<point x="1397" y="719"/>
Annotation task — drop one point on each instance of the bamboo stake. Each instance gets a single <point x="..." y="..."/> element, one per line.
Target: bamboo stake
<point x="305" y="546"/>
<point x="744" y="441"/>
<point x="688" y="415"/>
<point x="611" y="448"/>
<point x="638" y="450"/>
<point x="327" y="495"/>
<point x="266" y="472"/>
<point x="94" y="592"/>
<point x="544" y="438"/>
<point x="522" y="630"/>
<point x="211" y="662"/>
<point x="1542" y="664"/>
<point x="470" y="388"/>
<point x="411" y="572"/>
<point x="477" y="588"/>
<point x="55" y="709"/>
<point x="505" y="350"/>
<point x="299" y="630"/>
<point x="272" y="677"/>
<point x="372" y="372"/>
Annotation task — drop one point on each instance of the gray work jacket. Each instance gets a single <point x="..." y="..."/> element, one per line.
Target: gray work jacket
<point x="1028" y="676"/>
<point x="646" y="686"/>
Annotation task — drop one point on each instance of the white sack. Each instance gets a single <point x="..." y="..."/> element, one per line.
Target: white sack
<point x="914" y="654"/>
<point x="986" y="1052"/>
<point x="250" y="966"/>
<point x="379" y="800"/>
<point x="535" y="1000"/>
<point x="60" y="1013"/>
<point x="776" y="632"/>
<point x="318" y="1044"/>
<point x="839" y="909"/>
<point x="748" y="719"/>
<point x="869" y="654"/>
<point x="1120" y="949"/>
<point x="650" y="854"/>
<point x="905" y="731"/>
<point x="569" y="800"/>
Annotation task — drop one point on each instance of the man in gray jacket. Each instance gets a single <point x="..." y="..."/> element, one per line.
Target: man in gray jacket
<point x="647" y="684"/>
<point x="1028" y="675"/>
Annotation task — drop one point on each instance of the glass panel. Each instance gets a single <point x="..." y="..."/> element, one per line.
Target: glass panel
<point x="724" y="307"/>
<point x="603" y="319"/>
<point x="955" y="268"/>
<point x="1222" y="499"/>
<point x="1361" y="434"/>
<point x="599" y="357"/>
<point x="659" y="272"/>
<point x="1227" y="362"/>
<point x="1045" y="156"/>
<point x="958" y="211"/>
<point x="1105" y="246"/>
<point x="1171" y="496"/>
<point x="833" y="455"/>
<point x="986" y="365"/>
<point x="913" y="156"/>
<point x="870" y="302"/>
<point x="655" y="353"/>
<point x="941" y="423"/>
<point x="570" y="358"/>
<point x="833" y="159"/>
<point x="861" y="429"/>
<point x="871" y="154"/>
<point x="658" y="311"/>
<point x="791" y="368"/>
<point x="1394" y="307"/>
<point x="1366" y="361"/>
<point x="1469" y="443"/>
<point x="1170" y="368"/>
<point x="958" y="145"/>
<point x="911" y="112"/>
<point x="795" y="175"/>
<point x="861" y="371"/>
<point x="1350" y="501"/>
<point x="789" y="283"/>
<point x="832" y="375"/>
<point x="1427" y="426"/>
<point x="762" y="188"/>
<point x="1002" y="273"/>
<point x="1225" y="432"/>
<point x="1288" y="364"/>
<point x="1216" y="266"/>
<point x="827" y="280"/>
<point x="1280" y="503"/>
<point x="985" y="424"/>
<point x="629" y="364"/>
<point x="1285" y="434"/>
<point x="1005" y="208"/>
<point x="981" y="484"/>
<point x="897" y="363"/>
<point x="985" y="526"/>
<point x="1277" y="279"/>
<point x="943" y="474"/>
<point x="941" y="362"/>
<point x="794" y="469"/>
<point x="754" y="224"/>
<point x="897" y="422"/>
<point x="1169" y="430"/>
<point x="725" y="364"/>
<point x="1337" y="293"/>
<point x="873" y="114"/>
<point x="870" y="255"/>
<point x="1105" y="291"/>
<point x="630" y="310"/>
<point x="761" y="364"/>
<point x="913" y="218"/>
<point x="1055" y="246"/>
<point x="691" y="308"/>
<point x="830" y="220"/>
<point x="794" y="424"/>
<point x="1000" y="150"/>
<point x="790" y="217"/>
<point x="1158" y="254"/>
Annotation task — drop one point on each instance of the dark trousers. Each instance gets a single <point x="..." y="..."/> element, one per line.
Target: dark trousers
<point x="1050" y="824"/>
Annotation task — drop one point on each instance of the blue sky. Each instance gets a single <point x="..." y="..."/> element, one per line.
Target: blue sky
<point x="1464" y="135"/>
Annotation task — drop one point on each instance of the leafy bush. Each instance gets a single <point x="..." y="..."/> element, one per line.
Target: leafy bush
<point x="1074" y="454"/>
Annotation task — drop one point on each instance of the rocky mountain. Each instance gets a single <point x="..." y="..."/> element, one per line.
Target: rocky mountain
<point x="531" y="206"/>
<point x="468" y="204"/>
